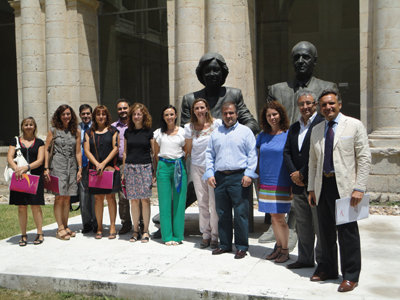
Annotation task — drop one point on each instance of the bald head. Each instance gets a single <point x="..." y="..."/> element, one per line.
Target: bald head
<point x="304" y="56"/>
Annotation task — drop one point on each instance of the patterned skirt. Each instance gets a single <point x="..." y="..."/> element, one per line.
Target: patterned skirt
<point x="274" y="199"/>
<point x="138" y="181"/>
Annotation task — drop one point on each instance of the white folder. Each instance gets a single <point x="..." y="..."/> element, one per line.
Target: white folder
<point x="345" y="213"/>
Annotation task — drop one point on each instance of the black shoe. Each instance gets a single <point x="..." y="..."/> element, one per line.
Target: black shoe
<point x="299" y="265"/>
<point x="157" y="234"/>
<point x="124" y="229"/>
<point x="87" y="229"/>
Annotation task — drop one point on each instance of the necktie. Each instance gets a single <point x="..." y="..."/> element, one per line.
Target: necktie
<point x="328" y="157"/>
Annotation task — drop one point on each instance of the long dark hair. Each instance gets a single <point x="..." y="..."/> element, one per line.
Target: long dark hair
<point x="98" y="108"/>
<point x="57" y="123"/>
<point x="283" y="123"/>
<point x="164" y="126"/>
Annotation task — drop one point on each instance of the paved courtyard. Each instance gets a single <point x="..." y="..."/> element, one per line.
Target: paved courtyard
<point x="154" y="271"/>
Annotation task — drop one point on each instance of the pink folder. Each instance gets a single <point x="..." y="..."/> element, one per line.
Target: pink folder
<point x="52" y="185"/>
<point x="28" y="184"/>
<point x="104" y="181"/>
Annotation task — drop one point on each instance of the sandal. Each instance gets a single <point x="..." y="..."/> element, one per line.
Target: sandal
<point x="99" y="235"/>
<point x="63" y="237"/>
<point x="70" y="232"/>
<point x="37" y="240"/>
<point x="169" y="243"/>
<point x="23" y="241"/>
<point x="112" y="236"/>
<point x="135" y="237"/>
<point x="283" y="256"/>
<point x="274" y="254"/>
<point x="145" y="239"/>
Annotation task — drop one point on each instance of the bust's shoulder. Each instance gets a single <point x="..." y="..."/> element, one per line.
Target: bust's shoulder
<point x="280" y="86"/>
<point x="323" y="83"/>
<point x="190" y="97"/>
<point x="232" y="90"/>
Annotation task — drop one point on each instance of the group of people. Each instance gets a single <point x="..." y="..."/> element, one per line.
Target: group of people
<point x="72" y="153"/>
<point x="302" y="160"/>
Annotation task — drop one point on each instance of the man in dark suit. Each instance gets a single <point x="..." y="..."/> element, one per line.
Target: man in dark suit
<point x="296" y="159"/>
<point x="339" y="165"/>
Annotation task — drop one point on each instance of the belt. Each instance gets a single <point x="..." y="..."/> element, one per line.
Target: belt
<point x="229" y="172"/>
<point x="329" y="175"/>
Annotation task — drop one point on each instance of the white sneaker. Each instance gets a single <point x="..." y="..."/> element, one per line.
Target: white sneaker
<point x="267" y="236"/>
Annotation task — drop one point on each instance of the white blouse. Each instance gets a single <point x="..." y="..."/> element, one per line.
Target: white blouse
<point x="171" y="146"/>
<point x="200" y="141"/>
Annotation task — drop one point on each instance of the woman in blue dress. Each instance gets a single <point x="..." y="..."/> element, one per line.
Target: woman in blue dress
<point x="275" y="183"/>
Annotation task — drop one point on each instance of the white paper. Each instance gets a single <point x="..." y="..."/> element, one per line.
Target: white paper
<point x="345" y="213"/>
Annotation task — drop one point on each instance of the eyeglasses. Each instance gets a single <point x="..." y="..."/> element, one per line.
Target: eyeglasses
<point x="307" y="103"/>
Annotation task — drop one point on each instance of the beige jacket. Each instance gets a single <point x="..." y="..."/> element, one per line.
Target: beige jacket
<point x="351" y="157"/>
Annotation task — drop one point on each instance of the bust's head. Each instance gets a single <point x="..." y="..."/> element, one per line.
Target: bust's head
<point x="212" y="70"/>
<point x="304" y="56"/>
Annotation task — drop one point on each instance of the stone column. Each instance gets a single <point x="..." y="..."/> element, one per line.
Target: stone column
<point x="82" y="33"/>
<point x="58" y="75"/>
<point x="32" y="64"/>
<point x="228" y="33"/>
<point x="189" y="46"/>
<point x="385" y="137"/>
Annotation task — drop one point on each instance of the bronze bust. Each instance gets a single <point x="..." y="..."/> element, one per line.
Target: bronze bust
<point x="304" y="55"/>
<point x="212" y="72"/>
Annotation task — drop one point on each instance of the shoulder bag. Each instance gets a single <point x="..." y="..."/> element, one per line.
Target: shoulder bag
<point x="19" y="160"/>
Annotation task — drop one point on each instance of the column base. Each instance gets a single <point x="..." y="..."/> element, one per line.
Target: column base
<point x="384" y="139"/>
<point x="384" y="179"/>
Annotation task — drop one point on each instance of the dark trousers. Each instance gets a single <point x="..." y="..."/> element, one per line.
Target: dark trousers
<point x="229" y="194"/>
<point x="306" y="228"/>
<point x="123" y="206"/>
<point x="86" y="202"/>
<point x="348" y="236"/>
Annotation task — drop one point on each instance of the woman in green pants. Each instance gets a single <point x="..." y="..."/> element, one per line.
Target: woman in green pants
<point x="170" y="152"/>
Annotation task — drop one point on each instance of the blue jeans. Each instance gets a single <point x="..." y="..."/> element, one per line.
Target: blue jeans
<point x="229" y="194"/>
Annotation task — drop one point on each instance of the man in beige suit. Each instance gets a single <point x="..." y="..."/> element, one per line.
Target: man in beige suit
<point x="339" y="165"/>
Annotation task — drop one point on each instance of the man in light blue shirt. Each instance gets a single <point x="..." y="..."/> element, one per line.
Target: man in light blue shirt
<point x="231" y="162"/>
